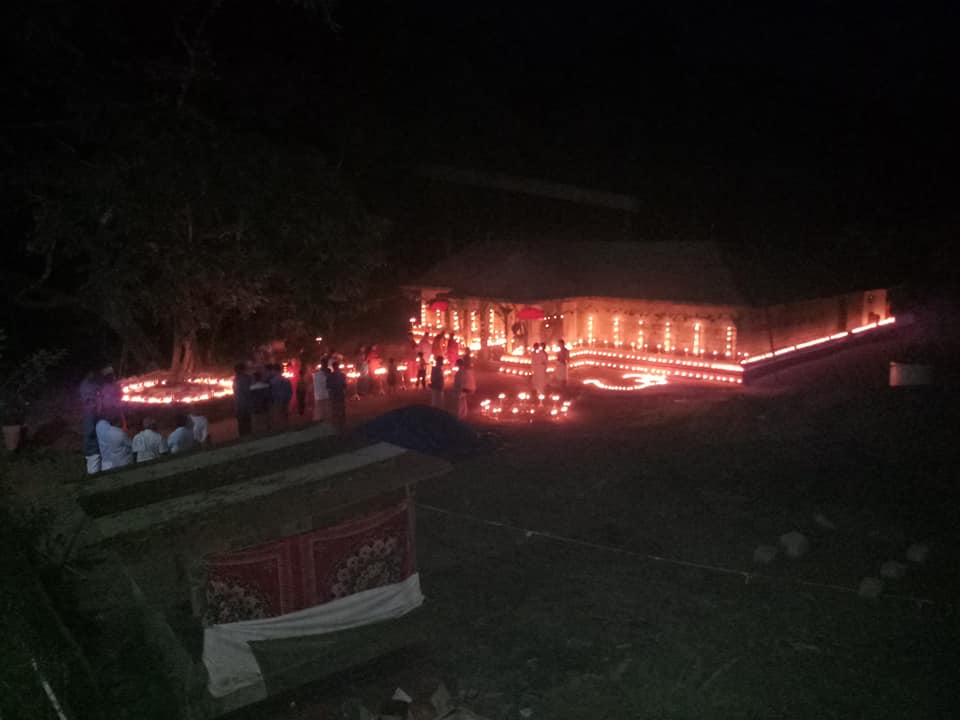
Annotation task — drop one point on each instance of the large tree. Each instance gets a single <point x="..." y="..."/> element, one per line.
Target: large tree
<point x="154" y="215"/>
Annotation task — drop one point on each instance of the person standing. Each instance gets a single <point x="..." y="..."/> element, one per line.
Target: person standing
<point x="303" y="377"/>
<point x="362" y="384"/>
<point x="563" y="361"/>
<point x="459" y="391"/>
<point x="281" y="393"/>
<point x="426" y="346"/>
<point x="89" y="404"/>
<point x="375" y="365"/>
<point x="439" y="344"/>
<point x="469" y="379"/>
<point x="539" y="361"/>
<point x="421" y="371"/>
<point x="148" y="444"/>
<point x="453" y="350"/>
<point x="392" y="376"/>
<point x="410" y="360"/>
<point x="321" y="396"/>
<point x="337" y="388"/>
<point x="242" y="400"/>
<point x="89" y="394"/>
<point x="260" y="403"/>
<point x="115" y="447"/>
<point x="111" y="395"/>
<point x="436" y="382"/>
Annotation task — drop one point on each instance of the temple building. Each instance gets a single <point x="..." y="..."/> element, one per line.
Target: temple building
<point x="673" y="298"/>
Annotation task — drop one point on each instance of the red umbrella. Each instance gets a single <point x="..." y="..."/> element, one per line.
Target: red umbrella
<point x="530" y="313"/>
<point x="440" y="305"/>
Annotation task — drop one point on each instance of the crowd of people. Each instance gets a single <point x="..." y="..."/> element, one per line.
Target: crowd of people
<point x="106" y="439"/>
<point x="444" y="350"/>
<point x="263" y="397"/>
<point x="409" y="371"/>
<point x="539" y="362"/>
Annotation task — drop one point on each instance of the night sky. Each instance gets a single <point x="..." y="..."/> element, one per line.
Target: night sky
<point x="840" y="112"/>
<point x="783" y="128"/>
<point x="726" y="112"/>
<point x="722" y="110"/>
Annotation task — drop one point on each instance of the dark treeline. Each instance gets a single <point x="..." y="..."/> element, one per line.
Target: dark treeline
<point x="153" y="213"/>
<point x="181" y="179"/>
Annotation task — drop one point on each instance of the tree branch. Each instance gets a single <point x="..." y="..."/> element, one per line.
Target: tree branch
<point x="35" y="125"/>
<point x="191" y="45"/>
<point x="52" y="301"/>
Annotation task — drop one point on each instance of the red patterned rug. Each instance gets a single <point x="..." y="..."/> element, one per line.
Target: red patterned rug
<point x="312" y="568"/>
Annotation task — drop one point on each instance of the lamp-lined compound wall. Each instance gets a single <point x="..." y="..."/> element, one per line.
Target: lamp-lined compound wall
<point x="650" y="326"/>
<point x="763" y="329"/>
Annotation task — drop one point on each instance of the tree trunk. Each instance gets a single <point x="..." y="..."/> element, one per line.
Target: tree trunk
<point x="189" y="362"/>
<point x="123" y="357"/>
<point x="211" y="352"/>
<point x="184" y="358"/>
<point x="141" y="350"/>
<point x="176" y="352"/>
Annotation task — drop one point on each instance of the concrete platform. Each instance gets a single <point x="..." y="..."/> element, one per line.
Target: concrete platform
<point x="160" y="521"/>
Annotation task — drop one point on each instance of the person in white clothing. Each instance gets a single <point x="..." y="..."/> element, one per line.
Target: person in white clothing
<point x="115" y="445"/>
<point x="539" y="362"/>
<point x="181" y="439"/>
<point x="200" y="427"/>
<point x="469" y="382"/>
<point x="563" y="362"/>
<point x="89" y="402"/>
<point x="459" y="392"/>
<point x="426" y="345"/>
<point x="148" y="444"/>
<point x="321" y="395"/>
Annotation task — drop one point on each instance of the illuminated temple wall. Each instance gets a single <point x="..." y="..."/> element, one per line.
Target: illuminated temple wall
<point x="645" y="324"/>
<point x="776" y="326"/>
<point x="478" y="321"/>
<point x="709" y="330"/>
<point x="607" y="322"/>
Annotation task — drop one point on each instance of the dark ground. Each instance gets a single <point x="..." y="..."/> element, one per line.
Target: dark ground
<point x="602" y="567"/>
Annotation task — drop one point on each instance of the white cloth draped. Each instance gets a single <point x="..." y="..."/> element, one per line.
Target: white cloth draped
<point x="229" y="659"/>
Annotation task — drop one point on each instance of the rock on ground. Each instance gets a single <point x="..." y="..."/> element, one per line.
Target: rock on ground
<point x="917" y="553"/>
<point x="795" y="544"/>
<point x="870" y="587"/>
<point x="824" y="522"/>
<point x="764" y="554"/>
<point x="893" y="570"/>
